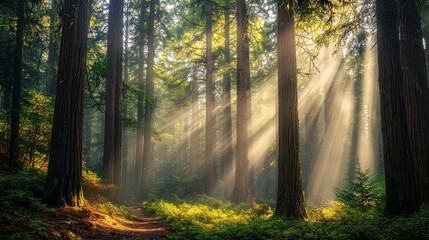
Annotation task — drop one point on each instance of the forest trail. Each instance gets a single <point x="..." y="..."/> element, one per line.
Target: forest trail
<point x="89" y="223"/>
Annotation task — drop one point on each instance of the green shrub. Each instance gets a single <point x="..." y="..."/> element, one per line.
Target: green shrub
<point x="22" y="209"/>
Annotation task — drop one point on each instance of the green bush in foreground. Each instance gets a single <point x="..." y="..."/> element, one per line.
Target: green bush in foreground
<point x="22" y="210"/>
<point x="208" y="218"/>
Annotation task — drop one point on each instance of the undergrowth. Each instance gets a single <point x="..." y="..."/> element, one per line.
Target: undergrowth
<point x="208" y="218"/>
<point x="24" y="216"/>
<point x="22" y="211"/>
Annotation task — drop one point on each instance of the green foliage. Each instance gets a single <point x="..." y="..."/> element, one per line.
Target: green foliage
<point x="113" y="209"/>
<point x="204" y="217"/>
<point x="22" y="209"/>
<point x="364" y="192"/>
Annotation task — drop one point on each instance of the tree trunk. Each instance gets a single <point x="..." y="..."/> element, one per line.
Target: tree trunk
<point x="64" y="178"/>
<point x="16" y="92"/>
<point x="226" y="164"/>
<point x="113" y="110"/>
<point x="290" y="197"/>
<point x="242" y="191"/>
<point x="149" y="104"/>
<point x="53" y="46"/>
<point x="401" y="191"/>
<point x="125" y="153"/>
<point x="413" y="64"/>
<point x="210" y="129"/>
<point x="140" y="107"/>
<point x="195" y="125"/>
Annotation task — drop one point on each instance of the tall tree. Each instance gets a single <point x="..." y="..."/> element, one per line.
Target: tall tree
<point x="17" y="84"/>
<point x="140" y="102"/>
<point x="290" y="197"/>
<point x="401" y="190"/>
<point x="64" y="179"/>
<point x="113" y="108"/>
<point x="226" y="163"/>
<point x="210" y="99"/>
<point x="242" y="191"/>
<point x="125" y="153"/>
<point x="195" y="124"/>
<point x="413" y="64"/>
<point x="52" y="49"/>
<point x="149" y="103"/>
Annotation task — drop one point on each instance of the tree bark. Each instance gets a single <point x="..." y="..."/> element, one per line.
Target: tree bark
<point x="210" y="129"/>
<point x="401" y="191"/>
<point x="290" y="197"/>
<point x="64" y="178"/>
<point x="413" y="64"/>
<point x="16" y="92"/>
<point x="242" y="191"/>
<point x="113" y="111"/>
<point x="149" y="104"/>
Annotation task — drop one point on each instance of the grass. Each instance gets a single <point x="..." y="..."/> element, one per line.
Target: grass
<point x="207" y="218"/>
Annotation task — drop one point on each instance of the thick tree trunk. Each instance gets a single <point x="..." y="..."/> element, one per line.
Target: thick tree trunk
<point x="16" y="92"/>
<point x="401" y="190"/>
<point x="226" y="162"/>
<point x="242" y="191"/>
<point x="113" y="111"/>
<point x="149" y="104"/>
<point x="140" y="107"/>
<point x="210" y="129"/>
<point x="290" y="197"/>
<point x="64" y="179"/>
<point x="413" y="64"/>
<point x="52" y="48"/>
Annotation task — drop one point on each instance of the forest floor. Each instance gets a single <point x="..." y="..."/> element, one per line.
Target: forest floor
<point x="89" y="223"/>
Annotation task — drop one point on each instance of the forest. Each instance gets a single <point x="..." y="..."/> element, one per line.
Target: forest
<point x="214" y="119"/>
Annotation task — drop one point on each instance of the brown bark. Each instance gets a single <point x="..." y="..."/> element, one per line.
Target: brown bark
<point x="242" y="191"/>
<point x="401" y="191"/>
<point x="149" y="104"/>
<point x="210" y="129"/>
<point x="112" y="161"/>
<point x="413" y="64"/>
<point x="64" y="179"/>
<point x="16" y="92"/>
<point x="226" y="162"/>
<point x="290" y="197"/>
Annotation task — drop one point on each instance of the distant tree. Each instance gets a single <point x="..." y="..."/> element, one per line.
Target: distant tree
<point x="290" y="196"/>
<point x="401" y="190"/>
<point x="140" y="101"/>
<point x="64" y="178"/>
<point x="413" y="65"/>
<point x="52" y="48"/>
<point x="112" y="161"/>
<point x="242" y="191"/>
<point x="210" y="99"/>
<point x="194" y="125"/>
<point x="17" y="85"/>
<point x="149" y="103"/>
<point x="125" y="153"/>
<point x="226" y="163"/>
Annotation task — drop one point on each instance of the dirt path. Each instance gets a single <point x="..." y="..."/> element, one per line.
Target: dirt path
<point x="88" y="223"/>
